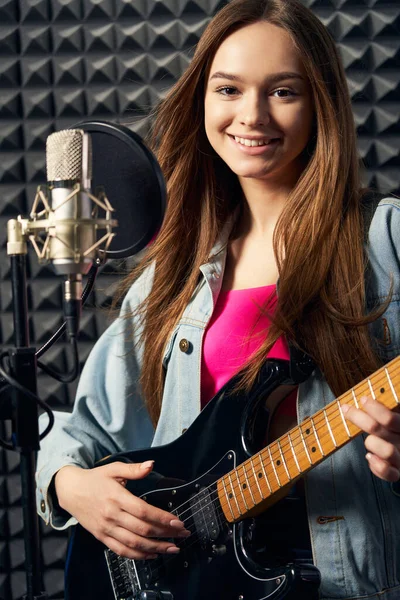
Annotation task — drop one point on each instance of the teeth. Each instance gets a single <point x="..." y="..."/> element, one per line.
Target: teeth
<point x="246" y="142"/>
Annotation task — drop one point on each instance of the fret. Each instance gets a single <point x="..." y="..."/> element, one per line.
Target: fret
<point x="280" y="465"/>
<point x="343" y="419"/>
<point x="384" y="395"/>
<point x="305" y="445"/>
<point x="329" y="427"/>
<point x="256" y="479"/>
<point x="391" y="386"/>
<point x="234" y="494"/>
<point x="355" y="398"/>
<point x="311" y="441"/>
<point x="294" y="453"/>
<point x="316" y="436"/>
<point x="247" y="507"/>
<point x="323" y="433"/>
<point x="227" y="497"/>
<point x="265" y="475"/>
<point x="361" y="390"/>
<point x="379" y="390"/>
<point x="273" y="466"/>
<point x="371" y="389"/>
<point x="300" y="449"/>
<point x="283" y="460"/>
<point x="248" y="483"/>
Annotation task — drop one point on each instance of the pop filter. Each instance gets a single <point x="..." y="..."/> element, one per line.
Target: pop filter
<point x="133" y="182"/>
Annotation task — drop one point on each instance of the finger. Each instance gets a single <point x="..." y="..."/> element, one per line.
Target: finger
<point x="145" y="529"/>
<point x="388" y="419"/>
<point x="142" y="545"/>
<point x="123" y="550"/>
<point x="364" y="421"/>
<point x="121" y="470"/>
<point x="388" y="436"/>
<point x="384" y="450"/>
<point x="382" y="469"/>
<point x="169" y="523"/>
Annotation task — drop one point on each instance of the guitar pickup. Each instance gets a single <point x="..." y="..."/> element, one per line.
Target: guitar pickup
<point x="205" y="516"/>
<point x="123" y="576"/>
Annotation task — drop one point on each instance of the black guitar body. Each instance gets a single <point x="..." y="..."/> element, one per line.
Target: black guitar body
<point x="219" y="561"/>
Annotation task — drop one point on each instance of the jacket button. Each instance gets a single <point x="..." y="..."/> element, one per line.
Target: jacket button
<point x="184" y="429"/>
<point x="42" y="506"/>
<point x="184" y="345"/>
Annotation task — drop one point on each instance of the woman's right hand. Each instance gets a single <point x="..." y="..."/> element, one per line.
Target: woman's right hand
<point x="123" y="522"/>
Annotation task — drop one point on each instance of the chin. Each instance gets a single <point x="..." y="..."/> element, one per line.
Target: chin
<point x="252" y="173"/>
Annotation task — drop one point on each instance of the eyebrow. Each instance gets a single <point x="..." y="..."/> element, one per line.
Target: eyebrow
<point x="276" y="77"/>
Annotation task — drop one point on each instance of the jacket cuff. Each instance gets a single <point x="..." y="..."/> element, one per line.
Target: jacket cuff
<point x="48" y="507"/>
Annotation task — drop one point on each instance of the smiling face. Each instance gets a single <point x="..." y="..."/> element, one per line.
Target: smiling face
<point x="258" y="105"/>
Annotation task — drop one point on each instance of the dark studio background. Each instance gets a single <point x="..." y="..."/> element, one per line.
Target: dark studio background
<point x="63" y="61"/>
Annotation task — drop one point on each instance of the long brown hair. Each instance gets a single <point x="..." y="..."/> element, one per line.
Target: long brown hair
<point x="321" y="302"/>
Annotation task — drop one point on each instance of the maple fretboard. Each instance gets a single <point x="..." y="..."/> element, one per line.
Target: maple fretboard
<point x="265" y="477"/>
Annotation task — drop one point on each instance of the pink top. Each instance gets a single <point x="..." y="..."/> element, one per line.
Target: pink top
<point x="239" y="323"/>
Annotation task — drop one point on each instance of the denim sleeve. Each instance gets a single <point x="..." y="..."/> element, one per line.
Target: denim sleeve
<point x="383" y="276"/>
<point x="109" y="413"/>
<point x="384" y="249"/>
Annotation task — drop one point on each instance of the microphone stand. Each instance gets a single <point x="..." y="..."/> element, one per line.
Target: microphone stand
<point x="23" y="361"/>
<point x="25" y="428"/>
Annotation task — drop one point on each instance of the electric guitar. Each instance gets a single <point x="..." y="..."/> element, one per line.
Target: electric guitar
<point x="220" y="484"/>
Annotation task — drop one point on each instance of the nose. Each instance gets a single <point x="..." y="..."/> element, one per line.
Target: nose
<point x="254" y="112"/>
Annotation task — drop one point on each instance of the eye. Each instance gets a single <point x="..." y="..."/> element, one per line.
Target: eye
<point x="283" y="93"/>
<point x="227" y="90"/>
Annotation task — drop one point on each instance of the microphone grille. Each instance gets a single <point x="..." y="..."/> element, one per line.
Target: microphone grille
<point x="64" y="155"/>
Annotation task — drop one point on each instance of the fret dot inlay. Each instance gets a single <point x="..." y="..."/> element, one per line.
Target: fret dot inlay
<point x="260" y="475"/>
<point x="313" y="449"/>
<point x="278" y="462"/>
<point x="307" y="431"/>
<point x="382" y="390"/>
<point x="244" y="486"/>
<point x="231" y="495"/>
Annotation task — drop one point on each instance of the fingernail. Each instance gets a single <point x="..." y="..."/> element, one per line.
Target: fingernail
<point x="184" y="534"/>
<point x="176" y="523"/>
<point x="345" y="408"/>
<point x="368" y="456"/>
<point x="151" y="556"/>
<point x="147" y="464"/>
<point x="173" y="550"/>
<point x="364" y="400"/>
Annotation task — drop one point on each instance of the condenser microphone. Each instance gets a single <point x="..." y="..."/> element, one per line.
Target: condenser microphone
<point x="72" y="244"/>
<point x="66" y="217"/>
<point x="68" y="165"/>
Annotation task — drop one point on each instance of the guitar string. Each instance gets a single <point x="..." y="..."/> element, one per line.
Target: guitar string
<point x="219" y="509"/>
<point x="297" y="441"/>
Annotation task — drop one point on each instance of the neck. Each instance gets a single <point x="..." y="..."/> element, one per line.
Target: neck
<point x="265" y="477"/>
<point x="264" y="202"/>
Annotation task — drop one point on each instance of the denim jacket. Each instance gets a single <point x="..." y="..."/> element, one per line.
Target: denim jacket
<point x="354" y="517"/>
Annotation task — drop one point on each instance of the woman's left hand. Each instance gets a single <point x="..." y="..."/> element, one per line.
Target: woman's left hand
<point x="383" y="441"/>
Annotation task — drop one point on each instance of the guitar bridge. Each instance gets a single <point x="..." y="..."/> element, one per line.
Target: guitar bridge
<point x="123" y="575"/>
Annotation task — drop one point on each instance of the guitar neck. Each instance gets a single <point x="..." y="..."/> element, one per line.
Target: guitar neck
<point x="268" y="475"/>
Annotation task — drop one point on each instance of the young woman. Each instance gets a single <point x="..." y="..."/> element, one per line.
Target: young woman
<point x="267" y="242"/>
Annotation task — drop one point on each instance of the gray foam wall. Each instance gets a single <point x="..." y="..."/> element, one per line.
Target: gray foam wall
<point x="63" y="61"/>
